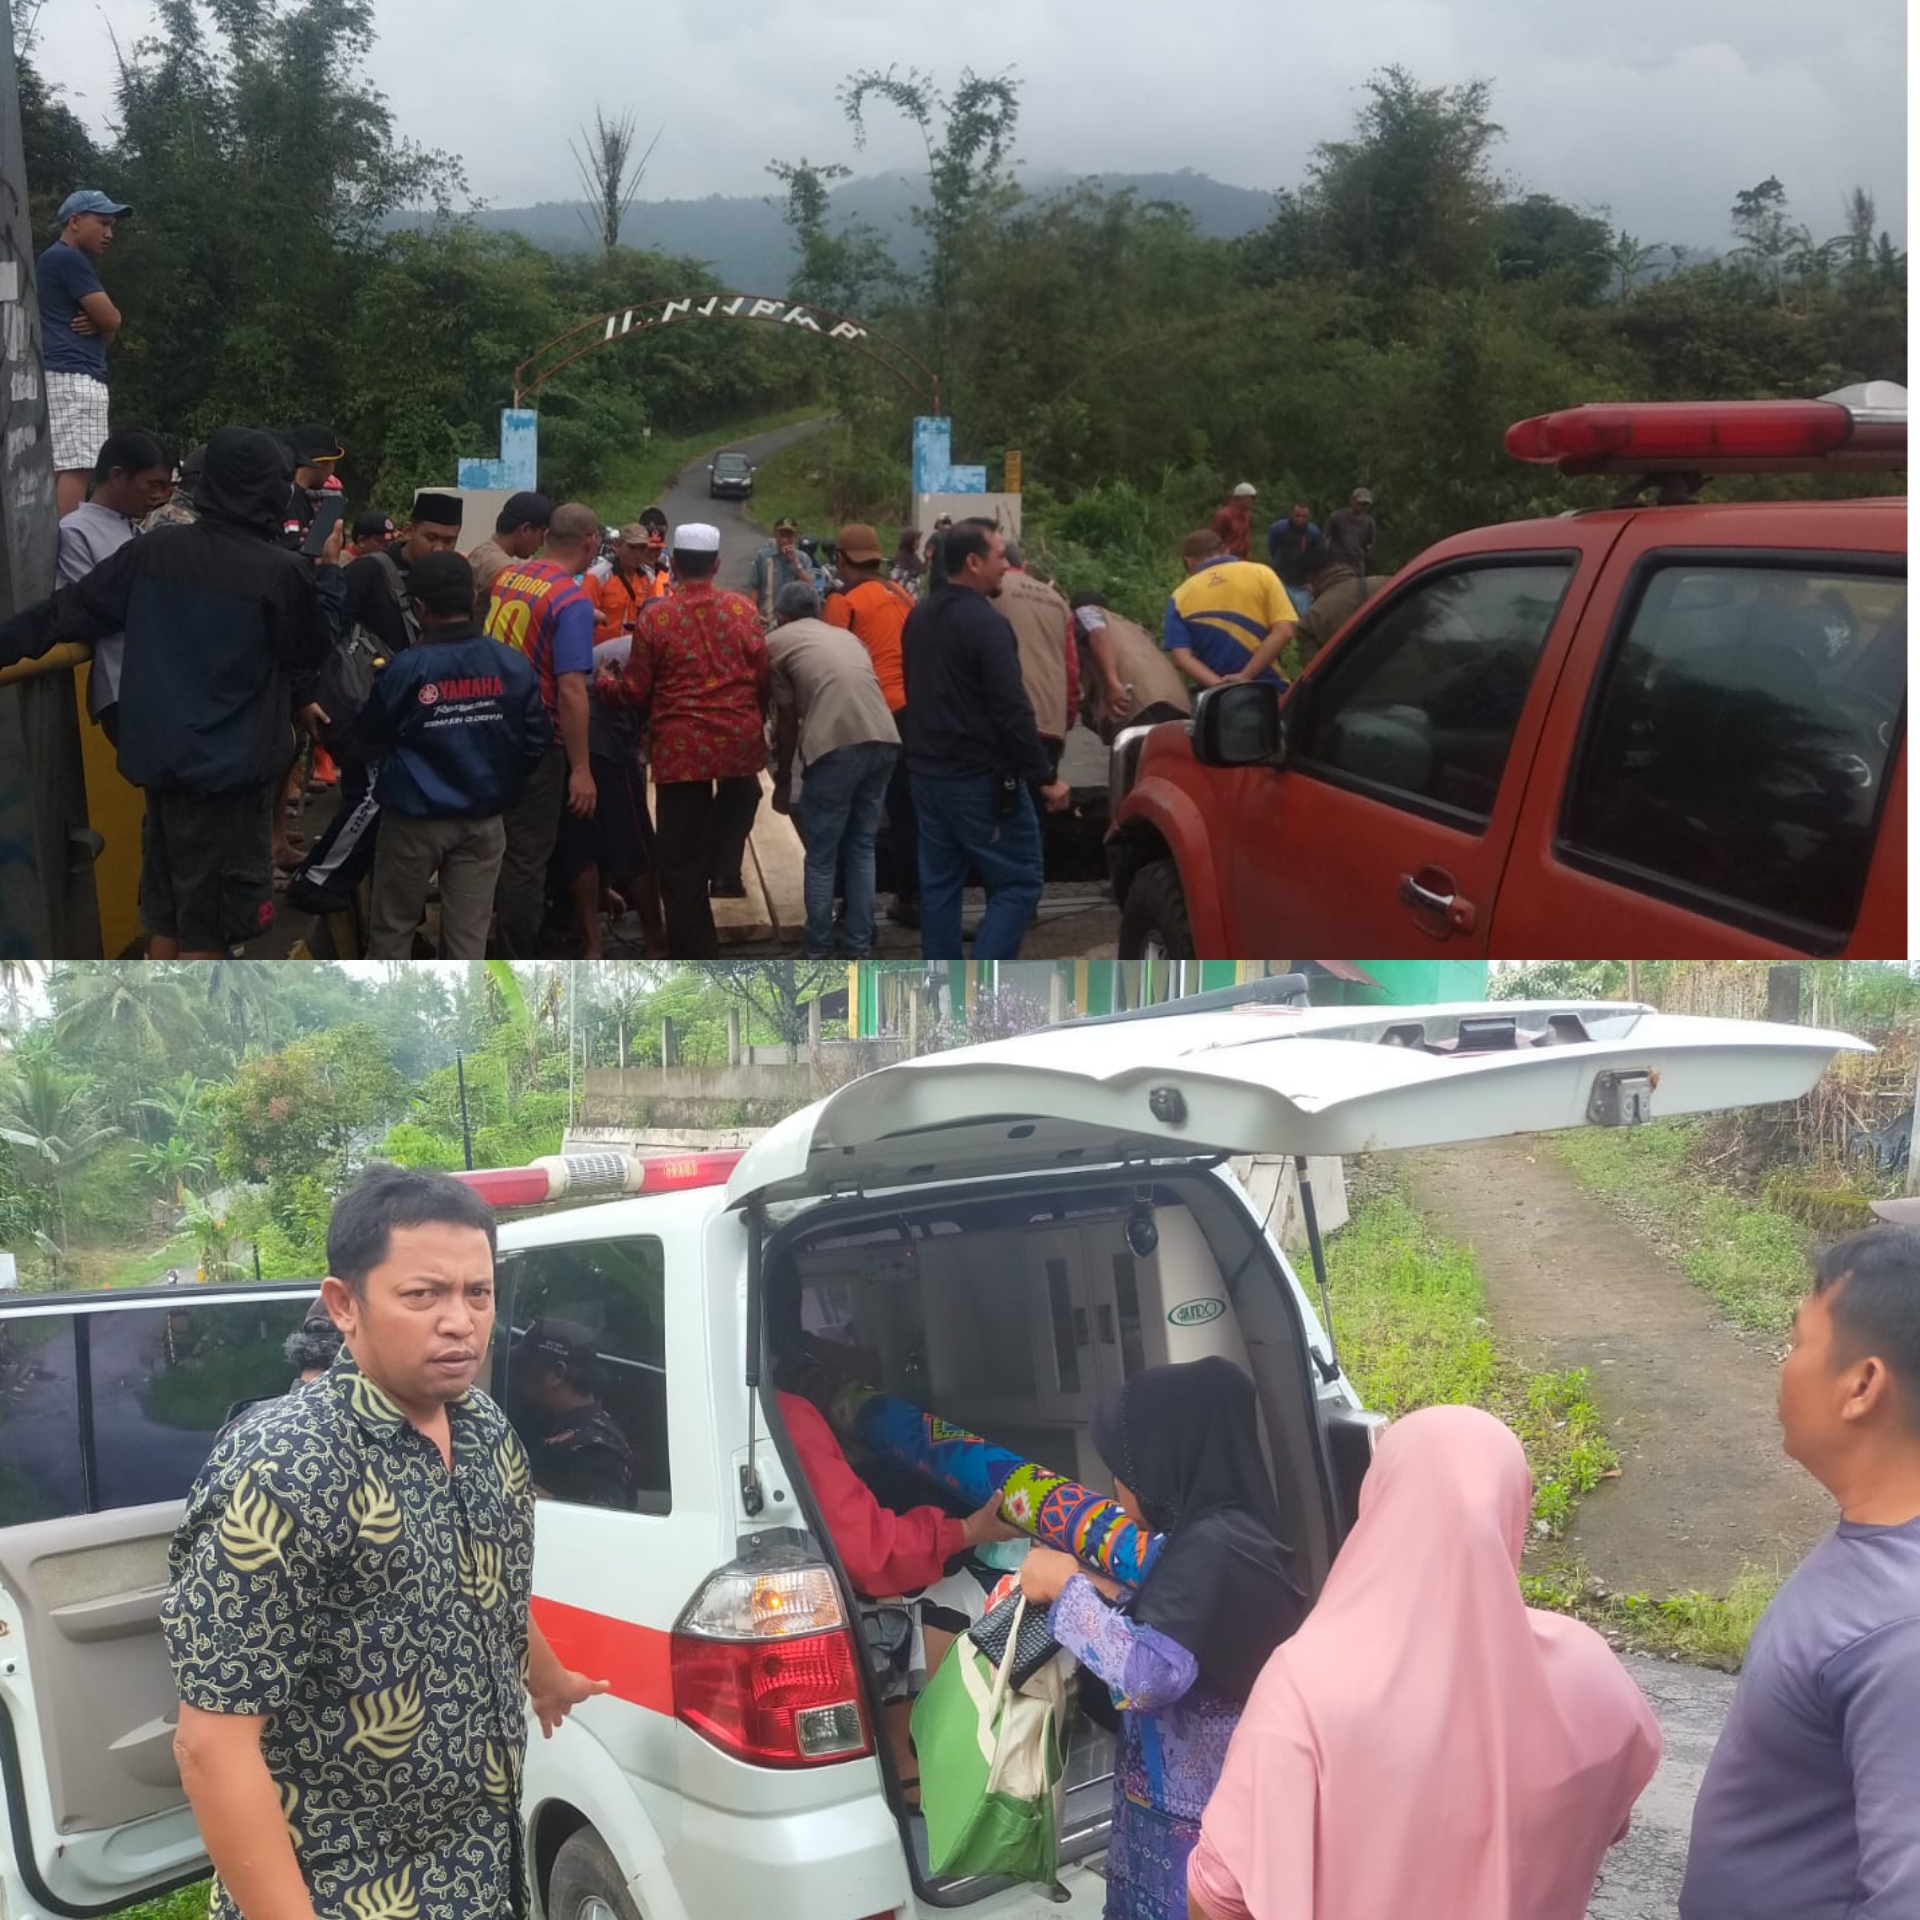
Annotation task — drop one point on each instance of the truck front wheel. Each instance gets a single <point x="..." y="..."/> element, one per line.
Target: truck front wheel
<point x="1153" y="923"/>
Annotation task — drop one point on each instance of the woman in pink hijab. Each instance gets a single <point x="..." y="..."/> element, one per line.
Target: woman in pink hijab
<point x="1427" y="1743"/>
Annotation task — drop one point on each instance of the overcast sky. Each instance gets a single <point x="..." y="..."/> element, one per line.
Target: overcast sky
<point x="1658" y="109"/>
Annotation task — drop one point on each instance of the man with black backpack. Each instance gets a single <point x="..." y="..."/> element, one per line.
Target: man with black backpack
<point x="456" y="723"/>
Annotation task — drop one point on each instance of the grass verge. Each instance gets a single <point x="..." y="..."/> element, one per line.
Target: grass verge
<point x="638" y="478"/>
<point x="1747" y="1256"/>
<point x="792" y="484"/>
<point x="1410" y="1317"/>
<point x="1708" y="1629"/>
<point x="190" y="1903"/>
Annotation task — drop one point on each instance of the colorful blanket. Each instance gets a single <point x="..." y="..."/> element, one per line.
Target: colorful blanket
<point x="1056" y="1511"/>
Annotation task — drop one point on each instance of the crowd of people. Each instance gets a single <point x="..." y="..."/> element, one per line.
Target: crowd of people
<point x="249" y="640"/>
<point x="1415" y="1739"/>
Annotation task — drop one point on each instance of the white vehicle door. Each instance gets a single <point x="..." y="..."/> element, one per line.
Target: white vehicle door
<point x="108" y="1406"/>
<point x="1273" y="1080"/>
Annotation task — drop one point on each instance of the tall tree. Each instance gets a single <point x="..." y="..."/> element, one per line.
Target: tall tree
<point x="967" y="135"/>
<point x="1771" y="241"/>
<point x="847" y="271"/>
<point x="50" y="1120"/>
<point x="779" y="990"/>
<point x="605" y="159"/>
<point x="1408" y="200"/>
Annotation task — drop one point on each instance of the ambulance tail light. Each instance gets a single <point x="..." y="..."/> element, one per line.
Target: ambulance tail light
<point x="764" y="1664"/>
<point x="608" y="1175"/>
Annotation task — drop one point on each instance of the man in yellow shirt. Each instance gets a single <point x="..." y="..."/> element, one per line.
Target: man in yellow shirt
<point x="1223" y="613"/>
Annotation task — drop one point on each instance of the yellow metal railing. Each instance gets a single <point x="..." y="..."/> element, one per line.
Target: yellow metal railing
<point x="73" y="653"/>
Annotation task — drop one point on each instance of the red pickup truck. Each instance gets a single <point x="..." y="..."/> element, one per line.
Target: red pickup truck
<point x="1675" y="730"/>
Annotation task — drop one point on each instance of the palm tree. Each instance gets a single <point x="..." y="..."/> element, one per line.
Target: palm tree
<point x="19" y="980"/>
<point x="182" y="1108"/>
<point x="48" y="1119"/>
<point x="239" y="996"/>
<point x="177" y="1160"/>
<point x="150" y="1006"/>
<point x="1630" y="258"/>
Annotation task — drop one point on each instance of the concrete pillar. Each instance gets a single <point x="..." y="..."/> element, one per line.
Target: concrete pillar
<point x="669" y="1045"/>
<point x="733" y="1036"/>
<point x="813" y="1031"/>
<point x="1057" y="997"/>
<point x="913" y="1022"/>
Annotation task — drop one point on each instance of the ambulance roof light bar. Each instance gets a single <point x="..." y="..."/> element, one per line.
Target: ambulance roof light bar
<point x="1856" y="430"/>
<point x="607" y="1174"/>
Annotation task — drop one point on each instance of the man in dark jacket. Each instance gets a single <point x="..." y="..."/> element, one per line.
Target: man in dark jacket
<point x="1293" y="546"/>
<point x="973" y="751"/>
<point x="225" y="632"/>
<point x="456" y="724"/>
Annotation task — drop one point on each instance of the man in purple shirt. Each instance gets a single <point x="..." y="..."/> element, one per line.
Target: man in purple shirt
<point x="1810" y="1809"/>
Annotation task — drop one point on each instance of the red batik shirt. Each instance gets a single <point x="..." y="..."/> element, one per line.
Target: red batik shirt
<point x="699" y="670"/>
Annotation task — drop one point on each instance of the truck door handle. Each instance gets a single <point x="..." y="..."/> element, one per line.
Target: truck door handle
<point x="1415" y="891"/>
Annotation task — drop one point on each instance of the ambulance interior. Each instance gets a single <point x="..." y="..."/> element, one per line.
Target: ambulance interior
<point x="1012" y="1312"/>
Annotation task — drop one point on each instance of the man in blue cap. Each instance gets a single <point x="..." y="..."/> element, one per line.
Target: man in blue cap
<point x="77" y="321"/>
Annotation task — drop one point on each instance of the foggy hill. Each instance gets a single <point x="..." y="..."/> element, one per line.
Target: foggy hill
<point x="748" y="246"/>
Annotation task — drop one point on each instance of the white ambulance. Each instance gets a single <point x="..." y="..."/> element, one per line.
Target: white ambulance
<point x="1008" y="1230"/>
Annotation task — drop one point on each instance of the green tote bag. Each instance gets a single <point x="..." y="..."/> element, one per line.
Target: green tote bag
<point x="992" y="1762"/>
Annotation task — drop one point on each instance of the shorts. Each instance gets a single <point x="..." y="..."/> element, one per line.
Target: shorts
<point x="206" y="867"/>
<point x="618" y="839"/>
<point x="76" y="420"/>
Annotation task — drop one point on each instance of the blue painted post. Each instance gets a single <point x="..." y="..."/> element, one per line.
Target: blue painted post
<point x="519" y="462"/>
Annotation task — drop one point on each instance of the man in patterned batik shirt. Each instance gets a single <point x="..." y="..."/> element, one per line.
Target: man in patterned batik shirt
<point x="348" y="1616"/>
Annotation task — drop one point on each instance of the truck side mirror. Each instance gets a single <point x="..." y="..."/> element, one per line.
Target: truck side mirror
<point x="1238" y="725"/>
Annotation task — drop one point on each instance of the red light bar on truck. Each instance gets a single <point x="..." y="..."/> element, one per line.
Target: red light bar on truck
<point x="607" y="1175"/>
<point x="1716" y="436"/>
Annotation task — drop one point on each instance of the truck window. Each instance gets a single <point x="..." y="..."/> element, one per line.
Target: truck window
<point x="581" y="1370"/>
<point x="120" y="1408"/>
<point x="1738" y="741"/>
<point x="42" y="1476"/>
<point x="1419" y="707"/>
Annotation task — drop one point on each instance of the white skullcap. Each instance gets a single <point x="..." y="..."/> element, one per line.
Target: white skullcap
<point x="1245" y="490"/>
<point x="696" y="537"/>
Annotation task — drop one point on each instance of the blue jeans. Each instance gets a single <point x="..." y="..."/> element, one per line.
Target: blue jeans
<point x="1301" y="597"/>
<point x="843" y="799"/>
<point x="959" y="829"/>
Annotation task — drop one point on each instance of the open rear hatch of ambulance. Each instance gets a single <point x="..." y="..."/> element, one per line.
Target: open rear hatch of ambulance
<point x="1273" y="1080"/>
<point x="1176" y="1091"/>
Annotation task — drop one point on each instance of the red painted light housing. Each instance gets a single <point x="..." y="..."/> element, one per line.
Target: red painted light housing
<point x="1724" y="435"/>
<point x="609" y="1174"/>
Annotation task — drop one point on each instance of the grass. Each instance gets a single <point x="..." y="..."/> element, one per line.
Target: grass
<point x="1747" y="1256"/>
<point x="190" y="1903"/>
<point x="1410" y="1317"/>
<point x="637" y="478"/>
<point x="1710" y="1630"/>
<point x="793" y="485"/>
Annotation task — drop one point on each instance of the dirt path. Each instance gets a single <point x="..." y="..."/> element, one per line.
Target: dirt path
<point x="1688" y="1400"/>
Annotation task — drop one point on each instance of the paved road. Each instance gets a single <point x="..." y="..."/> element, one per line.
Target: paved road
<point x="1641" y="1878"/>
<point x="686" y="498"/>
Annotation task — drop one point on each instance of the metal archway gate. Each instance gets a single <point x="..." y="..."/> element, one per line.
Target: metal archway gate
<point x="649" y="316"/>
